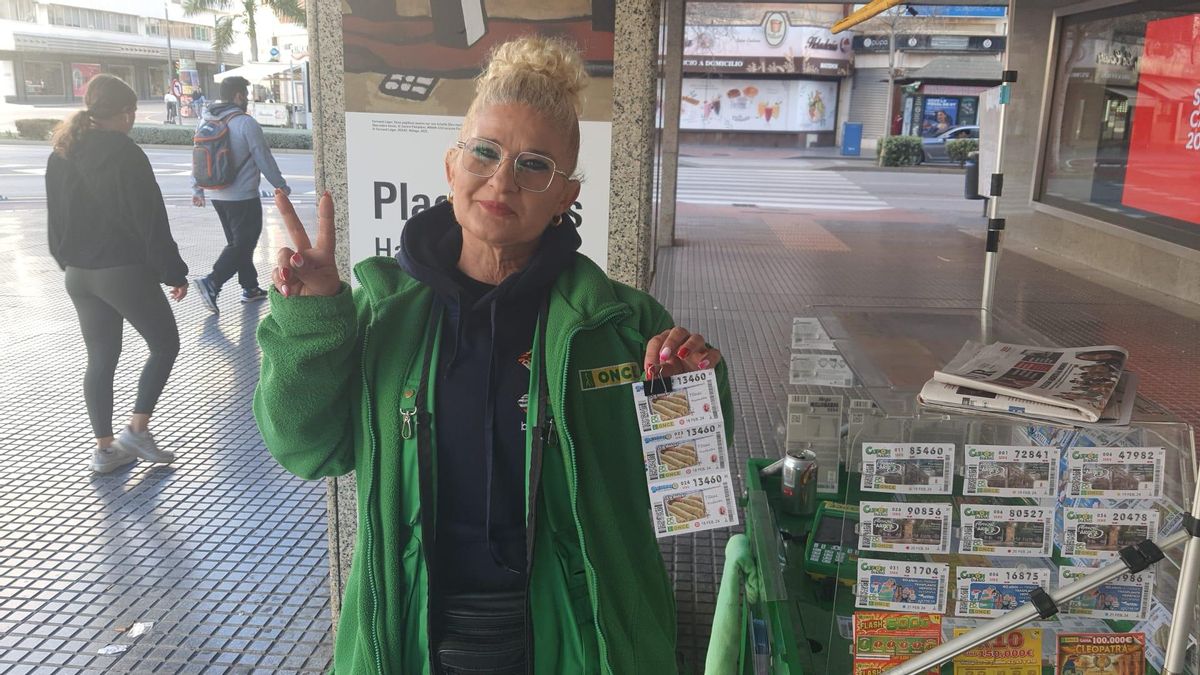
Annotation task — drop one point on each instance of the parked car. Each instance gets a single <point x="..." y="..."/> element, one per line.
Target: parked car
<point x="934" y="149"/>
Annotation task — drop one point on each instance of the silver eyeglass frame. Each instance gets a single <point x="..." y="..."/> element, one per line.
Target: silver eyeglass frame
<point x="461" y="145"/>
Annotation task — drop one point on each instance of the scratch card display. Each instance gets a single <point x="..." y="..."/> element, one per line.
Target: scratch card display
<point x="1004" y="471"/>
<point x="1115" y="473"/>
<point x="992" y="591"/>
<point x="1017" y="652"/>
<point x="1087" y="653"/>
<point x="905" y="468"/>
<point x="1125" y="597"/>
<point x="902" y="586"/>
<point x="904" y="527"/>
<point x="1100" y="533"/>
<point x="1006" y="530"/>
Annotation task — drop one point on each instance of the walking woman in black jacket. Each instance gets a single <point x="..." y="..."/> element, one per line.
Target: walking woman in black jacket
<point x="108" y="230"/>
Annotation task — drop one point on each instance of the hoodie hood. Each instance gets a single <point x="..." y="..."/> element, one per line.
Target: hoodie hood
<point x="432" y="241"/>
<point x="218" y="109"/>
<point x="98" y="151"/>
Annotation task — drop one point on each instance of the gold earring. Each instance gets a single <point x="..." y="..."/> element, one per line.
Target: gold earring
<point x="556" y="220"/>
<point x="450" y="198"/>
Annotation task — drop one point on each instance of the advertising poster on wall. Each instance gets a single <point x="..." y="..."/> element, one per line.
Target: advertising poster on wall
<point x="1164" y="145"/>
<point x="941" y="113"/>
<point x="711" y="104"/>
<point x="80" y="74"/>
<point x="409" y="75"/>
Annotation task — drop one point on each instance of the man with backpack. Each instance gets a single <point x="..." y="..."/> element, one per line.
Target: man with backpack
<point x="229" y="156"/>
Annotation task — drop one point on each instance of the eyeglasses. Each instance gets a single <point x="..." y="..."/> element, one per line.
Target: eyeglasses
<point x="533" y="172"/>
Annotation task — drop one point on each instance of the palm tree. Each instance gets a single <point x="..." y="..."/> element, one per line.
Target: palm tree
<point x="225" y="31"/>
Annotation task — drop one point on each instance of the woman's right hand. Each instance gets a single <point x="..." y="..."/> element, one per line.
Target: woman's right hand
<point x="307" y="269"/>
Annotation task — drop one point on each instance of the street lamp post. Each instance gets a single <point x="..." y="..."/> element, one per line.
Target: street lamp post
<point x="170" y="63"/>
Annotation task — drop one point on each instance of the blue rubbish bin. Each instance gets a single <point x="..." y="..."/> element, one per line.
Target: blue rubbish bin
<point x="852" y="139"/>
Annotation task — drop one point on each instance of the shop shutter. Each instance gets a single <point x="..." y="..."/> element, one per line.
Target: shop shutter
<point x="868" y="100"/>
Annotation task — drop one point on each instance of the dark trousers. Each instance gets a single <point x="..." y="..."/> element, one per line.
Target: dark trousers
<point x="105" y="299"/>
<point x="242" y="223"/>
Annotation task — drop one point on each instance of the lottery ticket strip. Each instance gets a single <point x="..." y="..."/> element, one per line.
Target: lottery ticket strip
<point x="959" y="516"/>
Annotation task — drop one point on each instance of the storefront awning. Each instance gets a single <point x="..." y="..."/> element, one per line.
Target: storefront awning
<point x="255" y="72"/>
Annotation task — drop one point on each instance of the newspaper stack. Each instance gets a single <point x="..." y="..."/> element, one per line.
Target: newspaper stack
<point x="1086" y="385"/>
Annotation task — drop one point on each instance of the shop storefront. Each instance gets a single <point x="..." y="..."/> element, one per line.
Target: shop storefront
<point x="1123" y="142"/>
<point x="770" y="83"/>
<point x="1100" y="157"/>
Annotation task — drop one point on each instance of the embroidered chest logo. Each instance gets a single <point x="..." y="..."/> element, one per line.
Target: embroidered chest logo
<point x="526" y="360"/>
<point x="608" y="376"/>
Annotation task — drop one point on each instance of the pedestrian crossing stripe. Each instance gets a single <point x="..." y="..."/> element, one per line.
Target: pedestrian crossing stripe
<point x="773" y="188"/>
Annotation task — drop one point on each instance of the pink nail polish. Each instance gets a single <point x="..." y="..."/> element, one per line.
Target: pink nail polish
<point x="664" y="354"/>
<point x="297" y="260"/>
<point x="704" y="364"/>
<point x="284" y="290"/>
<point x="285" y="274"/>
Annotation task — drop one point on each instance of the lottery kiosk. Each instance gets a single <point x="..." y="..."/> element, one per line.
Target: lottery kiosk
<point x="891" y="527"/>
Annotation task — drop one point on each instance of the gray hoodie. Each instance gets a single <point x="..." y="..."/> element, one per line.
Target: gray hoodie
<point x="250" y="152"/>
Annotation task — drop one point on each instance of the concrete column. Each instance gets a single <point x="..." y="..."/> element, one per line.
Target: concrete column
<point x="635" y="74"/>
<point x="675" y="13"/>
<point x="630" y="241"/>
<point x="329" y="166"/>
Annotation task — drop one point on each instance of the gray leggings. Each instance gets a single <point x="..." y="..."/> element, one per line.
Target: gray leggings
<point x="103" y="299"/>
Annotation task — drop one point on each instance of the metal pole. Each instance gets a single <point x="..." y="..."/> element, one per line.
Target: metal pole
<point x="1026" y="613"/>
<point x="1175" y="660"/>
<point x="170" y="62"/>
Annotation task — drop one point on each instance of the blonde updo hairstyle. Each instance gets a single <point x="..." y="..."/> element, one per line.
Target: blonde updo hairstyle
<point x="542" y="72"/>
<point x="106" y="97"/>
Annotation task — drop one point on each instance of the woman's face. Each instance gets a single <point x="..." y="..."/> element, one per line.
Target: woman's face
<point x="942" y="117"/>
<point x="495" y="210"/>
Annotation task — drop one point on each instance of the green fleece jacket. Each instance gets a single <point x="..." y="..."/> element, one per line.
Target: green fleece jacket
<point x="342" y="390"/>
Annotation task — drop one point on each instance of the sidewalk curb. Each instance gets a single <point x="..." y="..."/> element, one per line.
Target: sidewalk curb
<point x="922" y="168"/>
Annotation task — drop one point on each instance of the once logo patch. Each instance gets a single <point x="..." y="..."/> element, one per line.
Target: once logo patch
<point x="608" y="376"/>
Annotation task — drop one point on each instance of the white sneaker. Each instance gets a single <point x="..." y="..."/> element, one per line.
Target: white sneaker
<point x="107" y="460"/>
<point x="141" y="444"/>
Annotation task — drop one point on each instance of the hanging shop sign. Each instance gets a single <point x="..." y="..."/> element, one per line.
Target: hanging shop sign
<point x="774" y="46"/>
<point x="993" y="44"/>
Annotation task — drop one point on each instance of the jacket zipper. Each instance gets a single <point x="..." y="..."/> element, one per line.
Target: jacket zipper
<point x="570" y="444"/>
<point x="370" y="535"/>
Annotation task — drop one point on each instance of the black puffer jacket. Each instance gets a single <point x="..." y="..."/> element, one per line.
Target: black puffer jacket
<point x="105" y="209"/>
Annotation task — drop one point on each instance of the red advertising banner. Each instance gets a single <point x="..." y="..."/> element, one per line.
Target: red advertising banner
<point x="1164" y="146"/>
<point x="80" y="74"/>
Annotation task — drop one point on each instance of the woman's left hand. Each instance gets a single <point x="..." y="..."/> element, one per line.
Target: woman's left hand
<point x="678" y="351"/>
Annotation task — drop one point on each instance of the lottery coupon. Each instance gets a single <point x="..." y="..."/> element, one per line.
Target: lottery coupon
<point x="1125" y="597"/>
<point x="693" y="399"/>
<point x="683" y="452"/>
<point x="906" y="468"/>
<point x="902" y="586"/>
<point x="1116" y="473"/>
<point x="1005" y="471"/>
<point x="685" y="455"/>
<point x="1100" y="533"/>
<point x="904" y="527"/>
<point x="992" y="591"/>
<point x="692" y="504"/>
<point x="1006" y="530"/>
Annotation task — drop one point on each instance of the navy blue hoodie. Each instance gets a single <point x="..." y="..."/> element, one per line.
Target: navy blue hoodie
<point x="482" y="394"/>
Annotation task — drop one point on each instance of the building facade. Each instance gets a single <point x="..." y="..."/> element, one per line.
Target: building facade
<point x="49" y="50"/>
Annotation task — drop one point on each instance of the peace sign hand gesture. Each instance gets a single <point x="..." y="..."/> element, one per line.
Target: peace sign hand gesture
<point x="307" y="270"/>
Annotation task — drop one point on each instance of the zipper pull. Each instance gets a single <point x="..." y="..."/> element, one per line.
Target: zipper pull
<point x="549" y="431"/>
<point x="406" y="430"/>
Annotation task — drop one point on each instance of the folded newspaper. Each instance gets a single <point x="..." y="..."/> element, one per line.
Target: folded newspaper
<point x="1078" y="384"/>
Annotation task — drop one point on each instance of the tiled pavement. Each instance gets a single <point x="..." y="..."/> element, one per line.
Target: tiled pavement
<point x="225" y="552"/>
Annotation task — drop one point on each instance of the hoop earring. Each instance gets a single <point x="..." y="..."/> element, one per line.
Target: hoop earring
<point x="556" y="220"/>
<point x="450" y="198"/>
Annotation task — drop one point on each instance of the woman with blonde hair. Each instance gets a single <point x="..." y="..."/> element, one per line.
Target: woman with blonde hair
<point x="108" y="231"/>
<point x="504" y="523"/>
